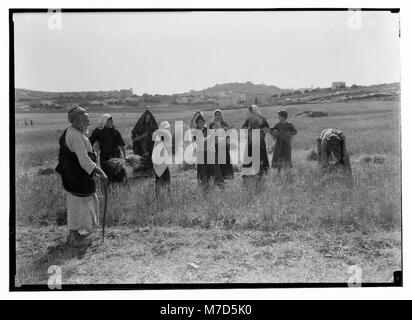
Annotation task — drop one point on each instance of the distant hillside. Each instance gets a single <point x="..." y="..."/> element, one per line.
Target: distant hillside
<point x="25" y="94"/>
<point x="240" y="87"/>
<point x="227" y="95"/>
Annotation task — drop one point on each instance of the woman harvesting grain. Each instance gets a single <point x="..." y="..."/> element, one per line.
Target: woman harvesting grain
<point x="110" y="144"/>
<point x="332" y="149"/>
<point x="332" y="153"/>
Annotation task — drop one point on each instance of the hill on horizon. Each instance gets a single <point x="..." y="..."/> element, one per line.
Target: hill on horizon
<point x="240" y="87"/>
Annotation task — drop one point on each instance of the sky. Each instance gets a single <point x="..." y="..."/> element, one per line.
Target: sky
<point x="175" y="52"/>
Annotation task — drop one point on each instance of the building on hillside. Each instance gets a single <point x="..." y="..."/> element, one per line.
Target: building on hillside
<point x="338" y="85"/>
<point x="228" y="101"/>
<point x="24" y="108"/>
<point x="231" y="99"/>
<point x="191" y="98"/>
<point x="257" y="98"/>
<point x="134" y="99"/>
<point x="126" y="93"/>
<point x="182" y="100"/>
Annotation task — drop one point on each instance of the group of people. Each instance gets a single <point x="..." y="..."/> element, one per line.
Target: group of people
<point x="282" y="156"/>
<point x="78" y="162"/>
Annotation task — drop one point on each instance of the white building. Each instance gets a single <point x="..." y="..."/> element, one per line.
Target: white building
<point x="338" y="85"/>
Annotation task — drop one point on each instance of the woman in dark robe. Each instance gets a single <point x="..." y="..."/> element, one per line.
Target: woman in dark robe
<point x="283" y="132"/>
<point x="108" y="141"/>
<point x="256" y="121"/>
<point x="221" y="171"/>
<point x="142" y="137"/>
<point x="204" y="170"/>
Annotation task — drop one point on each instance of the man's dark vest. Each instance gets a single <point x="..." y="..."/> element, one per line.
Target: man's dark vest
<point x="75" y="179"/>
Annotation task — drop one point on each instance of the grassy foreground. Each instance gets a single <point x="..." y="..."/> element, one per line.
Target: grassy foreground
<point x="293" y="228"/>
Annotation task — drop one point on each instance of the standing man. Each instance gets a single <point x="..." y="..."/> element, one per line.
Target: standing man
<point x="77" y="166"/>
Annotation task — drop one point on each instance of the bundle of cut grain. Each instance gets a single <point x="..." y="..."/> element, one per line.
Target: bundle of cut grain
<point x="375" y="159"/>
<point x="134" y="161"/>
<point x="115" y="169"/>
<point x="304" y="114"/>
<point x="312" y="114"/>
<point x="317" y="114"/>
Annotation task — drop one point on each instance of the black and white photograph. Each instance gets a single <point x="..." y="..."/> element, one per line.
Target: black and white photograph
<point x="205" y="148"/>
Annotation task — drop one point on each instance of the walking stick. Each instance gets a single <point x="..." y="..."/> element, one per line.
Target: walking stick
<point x="104" y="209"/>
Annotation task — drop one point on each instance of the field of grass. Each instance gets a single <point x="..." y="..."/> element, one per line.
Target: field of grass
<point x="296" y="227"/>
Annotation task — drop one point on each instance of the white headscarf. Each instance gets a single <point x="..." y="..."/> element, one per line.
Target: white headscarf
<point x="255" y="110"/>
<point x="192" y="122"/>
<point x="103" y="120"/>
<point x="159" y="168"/>
<point x="164" y="125"/>
<point x="214" y="114"/>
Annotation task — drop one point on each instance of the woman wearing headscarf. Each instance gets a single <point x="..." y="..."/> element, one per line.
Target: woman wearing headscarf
<point x="162" y="172"/>
<point x="225" y="170"/>
<point x="142" y="136"/>
<point x="333" y="154"/>
<point x="255" y="120"/>
<point x="204" y="171"/>
<point x="108" y="141"/>
<point x="332" y="150"/>
<point x="77" y="166"/>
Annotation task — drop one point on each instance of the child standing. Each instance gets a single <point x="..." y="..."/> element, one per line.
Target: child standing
<point x="283" y="132"/>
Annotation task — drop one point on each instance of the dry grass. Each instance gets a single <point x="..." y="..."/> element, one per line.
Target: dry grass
<point x="163" y="255"/>
<point x="297" y="226"/>
<point x="300" y="199"/>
